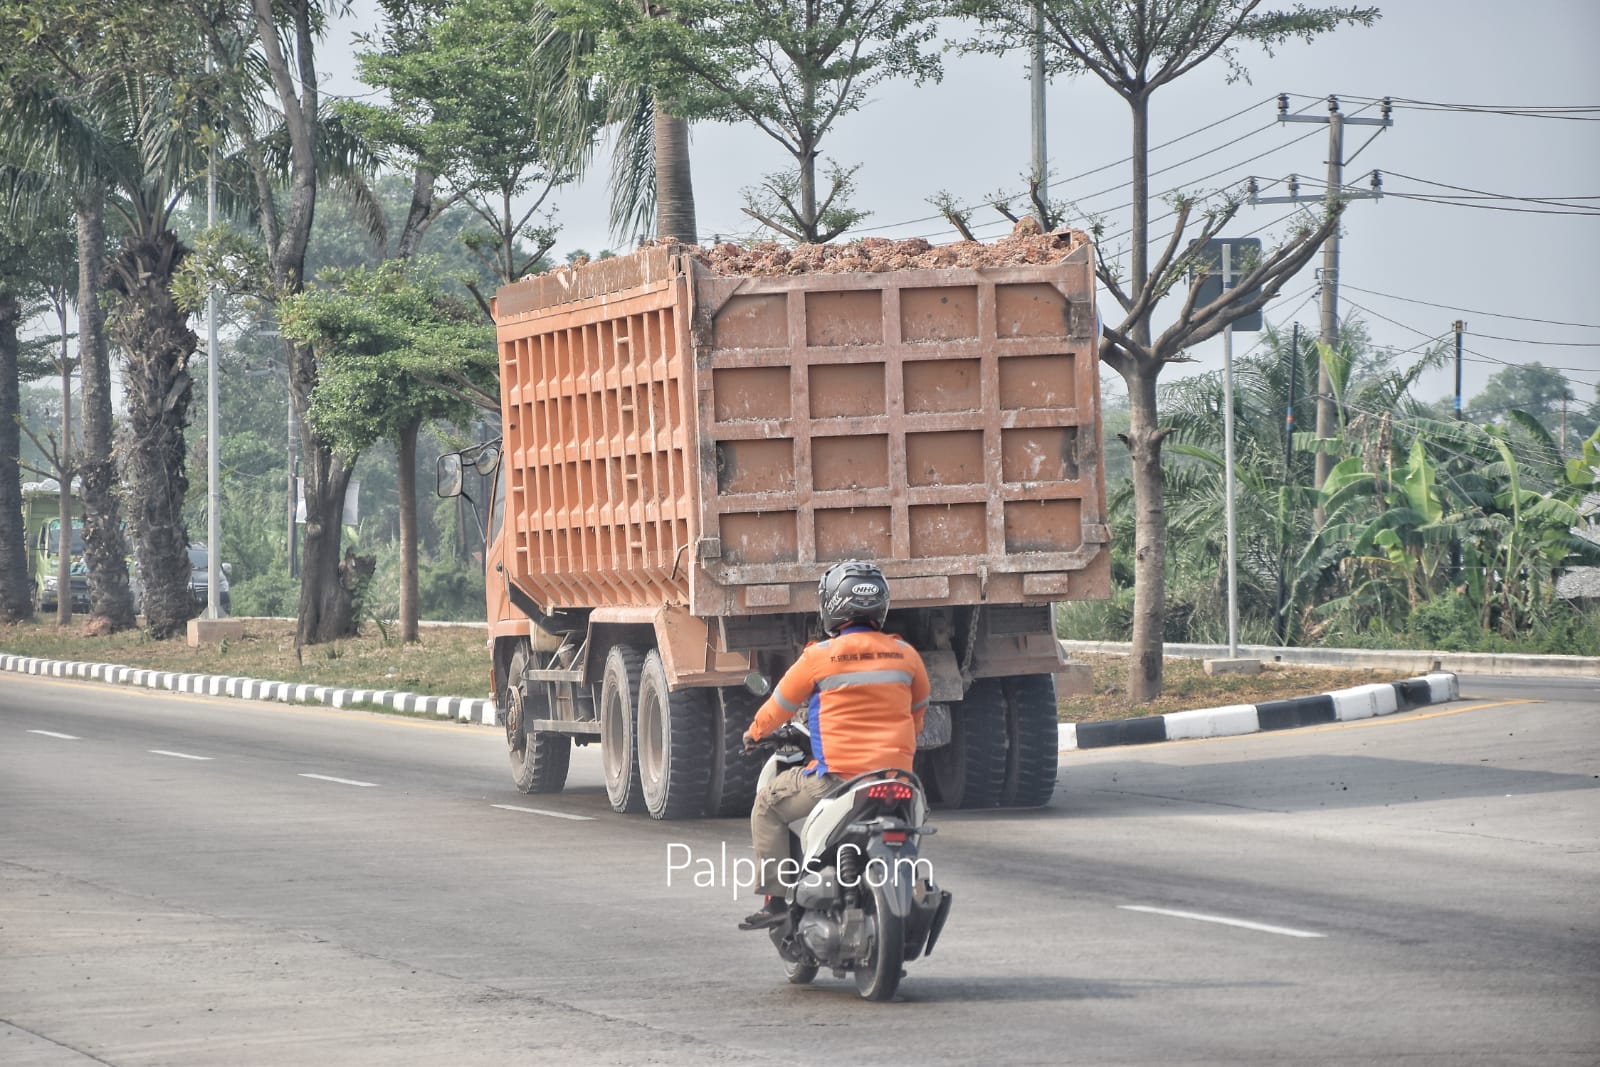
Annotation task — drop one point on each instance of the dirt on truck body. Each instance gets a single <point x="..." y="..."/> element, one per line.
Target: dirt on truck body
<point x="691" y="436"/>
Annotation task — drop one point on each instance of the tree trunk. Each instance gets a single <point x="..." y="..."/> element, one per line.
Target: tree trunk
<point x="674" y="189"/>
<point x="326" y="608"/>
<point x="64" y="553"/>
<point x="16" y="594"/>
<point x="1150" y="536"/>
<point x="155" y="336"/>
<point x="420" y="215"/>
<point x="408" y="531"/>
<point x="64" y="472"/>
<point x="810" y="225"/>
<point x="105" y="548"/>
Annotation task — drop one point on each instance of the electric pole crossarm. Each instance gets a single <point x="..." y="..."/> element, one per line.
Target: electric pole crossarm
<point x="1385" y="117"/>
<point x="1348" y="192"/>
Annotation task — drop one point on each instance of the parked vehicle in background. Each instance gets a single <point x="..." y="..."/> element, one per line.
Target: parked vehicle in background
<point x="687" y="449"/>
<point x="199" y="582"/>
<point x="41" y="516"/>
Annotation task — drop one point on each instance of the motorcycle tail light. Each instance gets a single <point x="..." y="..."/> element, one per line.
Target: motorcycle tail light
<point x="894" y="837"/>
<point x="889" y="791"/>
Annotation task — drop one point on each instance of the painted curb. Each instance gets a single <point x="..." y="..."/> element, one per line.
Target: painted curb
<point x="1344" y="705"/>
<point x="464" y="709"/>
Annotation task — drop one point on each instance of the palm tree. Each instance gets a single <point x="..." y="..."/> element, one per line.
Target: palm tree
<point x="130" y="131"/>
<point x="650" y="172"/>
<point x="40" y="126"/>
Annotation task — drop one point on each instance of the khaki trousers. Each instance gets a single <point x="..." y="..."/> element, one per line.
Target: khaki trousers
<point x="789" y="796"/>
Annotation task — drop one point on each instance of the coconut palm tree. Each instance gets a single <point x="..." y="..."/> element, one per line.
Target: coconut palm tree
<point x="129" y="132"/>
<point x="650" y="173"/>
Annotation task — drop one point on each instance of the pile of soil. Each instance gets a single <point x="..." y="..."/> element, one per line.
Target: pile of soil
<point x="1025" y="245"/>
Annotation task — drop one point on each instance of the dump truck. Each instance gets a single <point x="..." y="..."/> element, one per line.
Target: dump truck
<point x="689" y="439"/>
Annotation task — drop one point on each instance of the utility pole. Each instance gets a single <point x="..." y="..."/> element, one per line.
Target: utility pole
<point x="1227" y="463"/>
<point x="1460" y="328"/>
<point x="1327" y="414"/>
<point x="1288" y="472"/>
<point x="213" y="421"/>
<point x="1041" y="158"/>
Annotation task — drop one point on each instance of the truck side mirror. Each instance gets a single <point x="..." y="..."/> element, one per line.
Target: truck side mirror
<point x="489" y="459"/>
<point x="447" y="476"/>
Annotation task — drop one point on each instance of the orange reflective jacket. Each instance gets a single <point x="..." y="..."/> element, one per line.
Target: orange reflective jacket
<point x="863" y="694"/>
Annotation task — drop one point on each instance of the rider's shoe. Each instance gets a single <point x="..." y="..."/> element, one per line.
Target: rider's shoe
<point x="772" y="913"/>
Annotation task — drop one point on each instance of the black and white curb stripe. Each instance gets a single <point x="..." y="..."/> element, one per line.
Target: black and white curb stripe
<point x="466" y="709"/>
<point x="1343" y="705"/>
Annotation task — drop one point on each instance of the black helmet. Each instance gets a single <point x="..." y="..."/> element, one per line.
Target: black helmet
<point x="852" y="591"/>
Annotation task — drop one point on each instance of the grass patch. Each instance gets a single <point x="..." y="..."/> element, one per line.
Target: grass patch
<point x="1186" y="686"/>
<point x="447" y="661"/>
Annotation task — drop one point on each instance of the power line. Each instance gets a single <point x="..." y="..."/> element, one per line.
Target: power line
<point x="1527" y="341"/>
<point x="1551" y="201"/>
<point x="1576" y="112"/>
<point x="1485" y="207"/>
<point x="1482" y="357"/>
<point x="1473" y="311"/>
<point x="1097" y="170"/>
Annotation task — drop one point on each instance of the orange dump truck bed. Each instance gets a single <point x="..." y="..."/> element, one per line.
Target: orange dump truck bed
<point x="678" y="436"/>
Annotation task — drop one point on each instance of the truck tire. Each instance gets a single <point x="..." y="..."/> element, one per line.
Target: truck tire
<point x="674" y="742"/>
<point x="539" y="759"/>
<point x="970" y="771"/>
<point x="732" y="788"/>
<point x="619" y="749"/>
<point x="1033" y="741"/>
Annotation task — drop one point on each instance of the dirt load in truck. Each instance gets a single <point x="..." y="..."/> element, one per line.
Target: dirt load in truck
<point x="692" y="435"/>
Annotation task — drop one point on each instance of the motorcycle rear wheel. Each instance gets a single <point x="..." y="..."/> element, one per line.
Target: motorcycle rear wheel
<point x="879" y="976"/>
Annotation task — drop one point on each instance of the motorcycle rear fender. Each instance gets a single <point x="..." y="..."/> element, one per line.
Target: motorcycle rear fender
<point x="901" y="865"/>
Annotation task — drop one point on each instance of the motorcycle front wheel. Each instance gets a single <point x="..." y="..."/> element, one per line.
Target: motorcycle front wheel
<point x="799" y="973"/>
<point x="879" y="975"/>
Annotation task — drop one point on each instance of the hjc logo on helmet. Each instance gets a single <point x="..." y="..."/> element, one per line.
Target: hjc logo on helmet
<point x="864" y="589"/>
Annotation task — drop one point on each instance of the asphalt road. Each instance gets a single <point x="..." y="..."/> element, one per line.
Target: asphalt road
<point x="189" y="880"/>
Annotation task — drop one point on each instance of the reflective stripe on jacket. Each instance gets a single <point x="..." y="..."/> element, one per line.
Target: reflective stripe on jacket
<point x="863" y="694"/>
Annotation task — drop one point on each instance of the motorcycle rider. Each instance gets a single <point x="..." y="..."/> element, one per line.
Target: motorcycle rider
<point x="863" y="693"/>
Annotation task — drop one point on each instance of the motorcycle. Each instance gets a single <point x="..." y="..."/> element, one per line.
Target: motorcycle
<point x="864" y="899"/>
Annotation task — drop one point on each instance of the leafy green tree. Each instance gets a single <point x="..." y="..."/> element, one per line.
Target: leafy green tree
<point x="1135" y="50"/>
<point x="385" y="339"/>
<point x="16" y="594"/>
<point x="55" y="58"/>
<point x="1542" y="393"/>
<point x="465" y="109"/>
<point x="53" y="269"/>
<point x="791" y="67"/>
<point x="285" y="150"/>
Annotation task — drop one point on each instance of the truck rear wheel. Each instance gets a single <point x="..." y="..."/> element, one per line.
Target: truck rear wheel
<point x="674" y="740"/>
<point x="619" y="750"/>
<point x="732" y="788"/>
<point x="1033" y="741"/>
<point x="539" y="759"/>
<point x="970" y="771"/>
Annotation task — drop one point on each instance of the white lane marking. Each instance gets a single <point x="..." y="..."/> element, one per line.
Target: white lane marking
<point x="1245" y="923"/>
<point x="341" y="781"/>
<point x="52" y="733"/>
<point x="542" y="811"/>
<point x="178" y="755"/>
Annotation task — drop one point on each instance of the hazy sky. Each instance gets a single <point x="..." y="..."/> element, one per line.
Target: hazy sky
<point x="1501" y="262"/>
